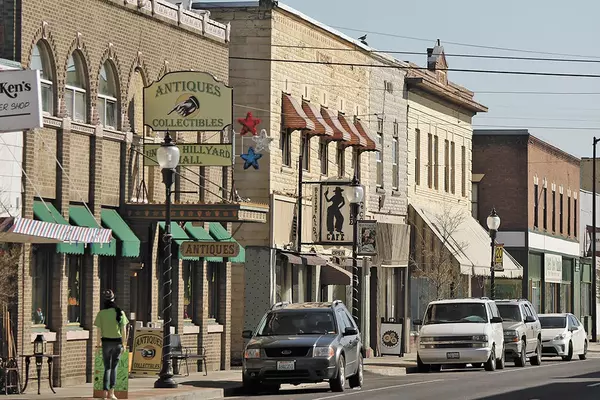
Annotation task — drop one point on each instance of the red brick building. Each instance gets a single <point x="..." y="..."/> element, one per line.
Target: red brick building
<point x="534" y="187"/>
<point x="96" y="56"/>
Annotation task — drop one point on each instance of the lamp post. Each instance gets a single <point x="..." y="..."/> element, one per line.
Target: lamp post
<point x="167" y="156"/>
<point x="355" y="195"/>
<point x="493" y="223"/>
<point x="594" y="288"/>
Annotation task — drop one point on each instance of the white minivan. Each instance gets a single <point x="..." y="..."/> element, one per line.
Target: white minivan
<point x="461" y="331"/>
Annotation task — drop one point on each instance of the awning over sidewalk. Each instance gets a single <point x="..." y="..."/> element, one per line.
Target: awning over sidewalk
<point x="178" y="236"/>
<point x="82" y="217"/>
<point x="335" y="275"/>
<point x="219" y="232"/>
<point x="130" y="244"/>
<point x="302" y="258"/>
<point x="467" y="241"/>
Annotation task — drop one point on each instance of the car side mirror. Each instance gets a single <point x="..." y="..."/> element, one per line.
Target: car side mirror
<point x="572" y="329"/>
<point x="418" y="322"/>
<point x="496" y="320"/>
<point x="529" y="319"/>
<point x="247" y="334"/>
<point x="349" y="331"/>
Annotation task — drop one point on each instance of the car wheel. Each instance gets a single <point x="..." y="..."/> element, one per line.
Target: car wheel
<point x="584" y="355"/>
<point x="250" y="386"/>
<point x="436" y="367"/>
<point x="490" y="364"/>
<point x="422" y="368"/>
<point x="501" y="363"/>
<point x="522" y="359"/>
<point x="337" y="384"/>
<point x="477" y="365"/>
<point x="356" y="380"/>
<point x="537" y="359"/>
<point x="569" y="355"/>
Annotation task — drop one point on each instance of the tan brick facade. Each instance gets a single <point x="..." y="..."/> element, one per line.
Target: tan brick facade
<point x="99" y="166"/>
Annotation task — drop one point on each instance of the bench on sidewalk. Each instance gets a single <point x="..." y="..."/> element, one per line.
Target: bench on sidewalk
<point x="180" y="353"/>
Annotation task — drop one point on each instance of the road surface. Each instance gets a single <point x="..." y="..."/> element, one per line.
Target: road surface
<point x="554" y="379"/>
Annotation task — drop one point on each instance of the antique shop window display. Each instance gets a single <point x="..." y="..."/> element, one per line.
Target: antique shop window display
<point x="74" y="289"/>
<point x="40" y="287"/>
<point x="188" y="290"/>
<point x="213" y="289"/>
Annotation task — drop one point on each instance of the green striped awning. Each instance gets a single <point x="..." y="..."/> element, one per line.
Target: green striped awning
<point x="220" y="233"/>
<point x="130" y="244"/>
<point x="48" y="213"/>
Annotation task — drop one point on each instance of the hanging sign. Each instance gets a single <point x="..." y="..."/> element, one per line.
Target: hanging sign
<point x="194" y="154"/>
<point x="335" y="226"/>
<point x="210" y="249"/>
<point x="147" y="351"/>
<point x="188" y="101"/>
<point x="20" y="100"/>
<point x="499" y="257"/>
<point x="366" y="239"/>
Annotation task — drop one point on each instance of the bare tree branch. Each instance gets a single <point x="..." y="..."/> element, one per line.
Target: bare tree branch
<point x="9" y="267"/>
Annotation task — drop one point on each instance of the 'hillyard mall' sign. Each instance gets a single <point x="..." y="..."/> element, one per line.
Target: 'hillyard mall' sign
<point x="205" y="154"/>
<point x="188" y="101"/>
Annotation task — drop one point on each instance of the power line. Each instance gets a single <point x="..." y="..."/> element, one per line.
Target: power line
<point x="479" y="71"/>
<point x="462" y="44"/>
<point x="459" y="55"/>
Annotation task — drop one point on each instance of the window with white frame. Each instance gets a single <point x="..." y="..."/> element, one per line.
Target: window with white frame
<point x="305" y="151"/>
<point x="40" y="60"/>
<point x="76" y="89"/>
<point x="324" y="156"/>
<point x="341" y="161"/>
<point x="395" y="176"/>
<point x="107" y="96"/>
<point x="379" y="161"/>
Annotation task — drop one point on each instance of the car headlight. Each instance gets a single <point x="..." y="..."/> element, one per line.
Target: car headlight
<point x="252" y="353"/>
<point x="425" y="339"/>
<point x="323" y="352"/>
<point x="511" y="334"/>
<point x="560" y="337"/>
<point x="480" y="338"/>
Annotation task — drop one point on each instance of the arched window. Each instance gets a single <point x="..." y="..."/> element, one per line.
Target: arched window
<point x="76" y="89"/>
<point x="40" y="60"/>
<point x="107" y="96"/>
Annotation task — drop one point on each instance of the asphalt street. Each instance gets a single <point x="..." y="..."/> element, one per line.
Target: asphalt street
<point x="554" y="379"/>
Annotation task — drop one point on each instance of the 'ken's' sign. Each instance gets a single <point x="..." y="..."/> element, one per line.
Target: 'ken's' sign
<point x="20" y="100"/>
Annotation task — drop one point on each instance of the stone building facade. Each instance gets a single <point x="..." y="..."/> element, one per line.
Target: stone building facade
<point x="85" y="163"/>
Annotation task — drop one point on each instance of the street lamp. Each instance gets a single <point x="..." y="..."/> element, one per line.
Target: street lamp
<point x="167" y="156"/>
<point x="493" y="223"/>
<point x="355" y="194"/>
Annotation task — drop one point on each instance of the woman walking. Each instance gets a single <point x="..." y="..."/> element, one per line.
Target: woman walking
<point x="112" y="335"/>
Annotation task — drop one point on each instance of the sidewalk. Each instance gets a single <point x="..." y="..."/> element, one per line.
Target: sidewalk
<point x="216" y="385"/>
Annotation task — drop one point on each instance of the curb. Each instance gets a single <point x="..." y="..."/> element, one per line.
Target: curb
<point x="391" y="370"/>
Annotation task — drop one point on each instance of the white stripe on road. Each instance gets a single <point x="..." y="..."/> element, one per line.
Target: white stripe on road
<point x="594" y="384"/>
<point x="379" y="389"/>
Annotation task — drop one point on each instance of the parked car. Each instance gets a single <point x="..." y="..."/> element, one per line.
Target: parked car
<point x="563" y="336"/>
<point x="522" y="331"/>
<point x="303" y="343"/>
<point x="461" y="331"/>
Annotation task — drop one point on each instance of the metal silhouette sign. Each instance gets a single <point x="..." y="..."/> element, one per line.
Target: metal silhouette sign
<point x="335" y="224"/>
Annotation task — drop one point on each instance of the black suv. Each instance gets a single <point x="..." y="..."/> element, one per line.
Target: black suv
<point x="303" y="343"/>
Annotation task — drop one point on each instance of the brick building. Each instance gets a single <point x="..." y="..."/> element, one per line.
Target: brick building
<point x="534" y="187"/>
<point x="85" y="164"/>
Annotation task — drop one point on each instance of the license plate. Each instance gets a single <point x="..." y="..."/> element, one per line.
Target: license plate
<point x="286" y="365"/>
<point x="453" y="356"/>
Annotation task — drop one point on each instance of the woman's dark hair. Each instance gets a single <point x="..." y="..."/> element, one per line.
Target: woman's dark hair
<point x="111" y="304"/>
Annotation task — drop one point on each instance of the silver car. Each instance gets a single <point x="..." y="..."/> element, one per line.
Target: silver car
<point x="522" y="331"/>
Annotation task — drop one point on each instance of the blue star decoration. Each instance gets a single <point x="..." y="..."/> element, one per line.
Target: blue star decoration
<point x="251" y="158"/>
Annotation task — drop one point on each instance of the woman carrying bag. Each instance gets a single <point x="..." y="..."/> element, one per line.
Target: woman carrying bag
<point x="112" y="336"/>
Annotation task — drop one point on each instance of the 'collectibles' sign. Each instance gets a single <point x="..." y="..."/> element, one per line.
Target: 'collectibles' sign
<point x="211" y="155"/>
<point x="335" y="226"/>
<point x="210" y="249"/>
<point x="188" y="101"/>
<point x="147" y="351"/>
<point x="20" y="100"/>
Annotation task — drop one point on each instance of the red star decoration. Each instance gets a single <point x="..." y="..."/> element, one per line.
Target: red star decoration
<point x="249" y="124"/>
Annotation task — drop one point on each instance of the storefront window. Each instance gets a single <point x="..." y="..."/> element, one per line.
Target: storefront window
<point x="586" y="294"/>
<point x="75" y="282"/>
<point x="41" y="281"/>
<point x="188" y="289"/>
<point x="535" y="294"/>
<point x="300" y="284"/>
<point x="212" y="276"/>
<point x="565" y="298"/>
<point x="552" y="297"/>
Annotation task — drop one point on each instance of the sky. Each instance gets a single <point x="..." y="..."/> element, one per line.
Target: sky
<point x="565" y="114"/>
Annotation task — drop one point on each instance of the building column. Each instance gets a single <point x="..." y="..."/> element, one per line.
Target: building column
<point x="225" y="313"/>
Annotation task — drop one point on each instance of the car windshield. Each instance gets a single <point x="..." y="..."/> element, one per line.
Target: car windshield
<point x="287" y="323"/>
<point x="553" y="322"/>
<point x="510" y="312"/>
<point x="451" y="313"/>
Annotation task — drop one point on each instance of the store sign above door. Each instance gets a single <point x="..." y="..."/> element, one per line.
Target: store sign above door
<point x="209" y="155"/>
<point x="188" y="101"/>
<point x="20" y="100"/>
<point x="210" y="249"/>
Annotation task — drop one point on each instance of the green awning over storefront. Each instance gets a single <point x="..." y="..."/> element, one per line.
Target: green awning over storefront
<point x="179" y="236"/>
<point x="48" y="213"/>
<point x="130" y="244"/>
<point x="220" y="233"/>
<point x="199" y="234"/>
<point x="82" y="217"/>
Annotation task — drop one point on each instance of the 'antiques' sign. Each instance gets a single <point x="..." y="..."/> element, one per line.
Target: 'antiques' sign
<point x="210" y="249"/>
<point x="335" y="226"/>
<point x="20" y="100"/>
<point x="147" y="351"/>
<point x="210" y="155"/>
<point x="188" y="101"/>
<point x="366" y="240"/>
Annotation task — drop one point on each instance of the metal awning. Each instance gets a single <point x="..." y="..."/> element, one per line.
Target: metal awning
<point x="332" y="274"/>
